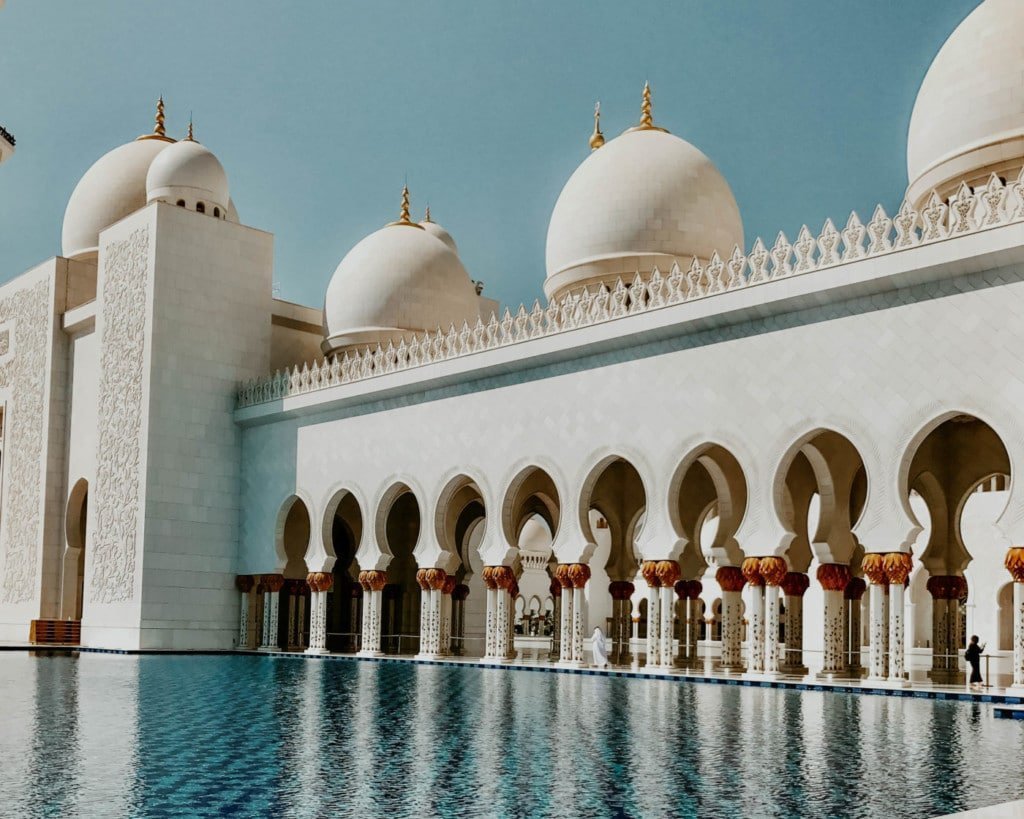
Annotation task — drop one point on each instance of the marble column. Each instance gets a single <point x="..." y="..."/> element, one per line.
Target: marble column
<point x="946" y="591"/>
<point x="430" y="581"/>
<point x="421" y="581"/>
<point x="897" y="570"/>
<point x="794" y="586"/>
<point x="491" y="624"/>
<point x="621" y="592"/>
<point x="512" y="592"/>
<point x="668" y="576"/>
<point x="1015" y="566"/>
<point x="873" y="566"/>
<point x="244" y="583"/>
<point x="687" y="646"/>
<point x="272" y="585"/>
<point x="730" y="580"/>
<point x="854" y="593"/>
<point x="694" y="617"/>
<point x="751" y="569"/>
<point x="320" y="584"/>
<point x="459" y="595"/>
<point x="579" y="574"/>
<point x="650" y="573"/>
<point x="446" y="614"/>
<point x="292" y="632"/>
<point x="833" y="578"/>
<point x="373" y="583"/>
<point x="565" y="613"/>
<point x="773" y="570"/>
<point x="356" y="608"/>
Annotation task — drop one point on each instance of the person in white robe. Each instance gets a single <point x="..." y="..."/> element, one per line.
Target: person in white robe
<point x="600" y="648"/>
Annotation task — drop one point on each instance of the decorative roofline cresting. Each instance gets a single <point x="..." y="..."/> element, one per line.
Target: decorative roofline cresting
<point x="967" y="212"/>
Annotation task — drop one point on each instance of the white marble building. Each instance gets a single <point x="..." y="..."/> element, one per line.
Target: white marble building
<point x="795" y="456"/>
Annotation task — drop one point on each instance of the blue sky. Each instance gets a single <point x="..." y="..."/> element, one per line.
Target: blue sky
<point x="319" y="110"/>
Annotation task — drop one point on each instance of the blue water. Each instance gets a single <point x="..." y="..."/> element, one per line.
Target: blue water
<point x="107" y="735"/>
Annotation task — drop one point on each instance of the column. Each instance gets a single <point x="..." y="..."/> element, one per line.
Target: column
<point x="356" y="593"/>
<point x="873" y="566"/>
<point x="1015" y="566"/>
<point x="421" y="581"/>
<point x="555" y="590"/>
<point x="853" y="595"/>
<point x="668" y="576"/>
<point x="833" y="578"/>
<point x="272" y="585"/>
<point x="730" y="580"/>
<point x="292" y="638"/>
<point x="459" y="595"/>
<point x="621" y="592"/>
<point x="511" y="593"/>
<point x="694" y="616"/>
<point x="320" y="583"/>
<point x="244" y="584"/>
<point x="490" y="634"/>
<point x="751" y="569"/>
<point x="897" y="570"/>
<point x="373" y="583"/>
<point x="650" y="573"/>
<point x="773" y="570"/>
<point x="579" y="574"/>
<point x="446" y="614"/>
<point x="794" y="585"/>
<point x="682" y="658"/>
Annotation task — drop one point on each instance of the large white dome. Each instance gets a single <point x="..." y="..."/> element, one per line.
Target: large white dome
<point x="643" y="199"/>
<point x="398" y="280"/>
<point x="968" y="121"/>
<point x="113" y="188"/>
<point x="188" y="171"/>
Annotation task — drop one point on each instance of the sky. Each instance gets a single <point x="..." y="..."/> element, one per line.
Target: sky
<point x="321" y="110"/>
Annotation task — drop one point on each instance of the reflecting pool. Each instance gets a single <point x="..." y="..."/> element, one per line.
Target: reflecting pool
<point x="109" y="735"/>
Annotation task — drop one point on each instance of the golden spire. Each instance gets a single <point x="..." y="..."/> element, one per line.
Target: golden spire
<point x="159" y="131"/>
<point x="426" y="215"/>
<point x="646" y="119"/>
<point x="597" y="138"/>
<point x="191" y="135"/>
<point x="403" y="216"/>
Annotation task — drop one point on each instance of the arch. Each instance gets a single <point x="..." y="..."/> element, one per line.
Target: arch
<point x="531" y="491"/>
<point x="631" y="493"/>
<point x="346" y="504"/>
<point x="216" y="213"/>
<point x="709" y="474"/>
<point x="280" y="525"/>
<point x="342" y="534"/>
<point x="385" y="507"/>
<point x="399" y="527"/>
<point x="181" y="203"/>
<point x="76" y="514"/>
<point x="827" y="463"/>
<point x="75" y="531"/>
<point x="1004" y="617"/>
<point x="200" y="207"/>
<point x="459" y="506"/>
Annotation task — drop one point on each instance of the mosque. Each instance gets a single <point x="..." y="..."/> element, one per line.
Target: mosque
<point x="796" y="456"/>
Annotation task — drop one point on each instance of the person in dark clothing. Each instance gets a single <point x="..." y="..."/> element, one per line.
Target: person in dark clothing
<point x="973" y="656"/>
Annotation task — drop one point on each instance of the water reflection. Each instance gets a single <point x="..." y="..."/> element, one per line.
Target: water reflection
<point x="101" y="735"/>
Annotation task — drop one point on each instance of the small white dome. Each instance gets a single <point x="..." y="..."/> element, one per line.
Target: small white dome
<point x="434" y="229"/>
<point x="968" y="120"/>
<point x="398" y="280"/>
<point x="113" y="188"/>
<point x="645" y="198"/>
<point x="188" y="171"/>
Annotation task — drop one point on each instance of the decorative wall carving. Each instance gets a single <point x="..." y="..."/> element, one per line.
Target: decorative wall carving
<point x="118" y="469"/>
<point x="969" y="211"/>
<point x="25" y="375"/>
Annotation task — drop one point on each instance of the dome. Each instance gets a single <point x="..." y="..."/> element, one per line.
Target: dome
<point x="434" y="229"/>
<point x="968" y="120"/>
<point x="398" y="280"/>
<point x="188" y="171"/>
<point x="113" y="188"/>
<point x="643" y="199"/>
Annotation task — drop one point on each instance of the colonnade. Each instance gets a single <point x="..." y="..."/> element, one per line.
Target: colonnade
<point x="671" y="602"/>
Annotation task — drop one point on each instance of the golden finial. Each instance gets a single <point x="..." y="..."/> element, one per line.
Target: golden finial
<point x="403" y="216"/>
<point x="646" y="119"/>
<point x="191" y="135"/>
<point x="159" y="131"/>
<point x="597" y="138"/>
<point x="426" y="215"/>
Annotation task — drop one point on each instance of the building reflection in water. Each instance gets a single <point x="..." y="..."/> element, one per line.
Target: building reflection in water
<point x="109" y="735"/>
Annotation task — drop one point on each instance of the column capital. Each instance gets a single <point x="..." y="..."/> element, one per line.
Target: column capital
<point x="751" y="569"/>
<point x="320" y="581"/>
<point x="795" y="584"/>
<point x="649" y="570"/>
<point x="730" y="578"/>
<point x="244" y="583"/>
<point x="833" y="576"/>
<point x="855" y="588"/>
<point x="1015" y="563"/>
<point x="898" y="566"/>
<point x="579" y="574"/>
<point x="373" y="580"/>
<point x="689" y="589"/>
<point x="668" y="572"/>
<point x="499" y="577"/>
<point x="562" y="575"/>
<point x="773" y="570"/>
<point x="460" y="592"/>
<point x="621" y="589"/>
<point x="873" y="566"/>
<point x="449" y="584"/>
<point x="272" y="582"/>
<point x="946" y="586"/>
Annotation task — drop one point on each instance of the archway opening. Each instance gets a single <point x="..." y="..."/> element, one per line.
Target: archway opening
<point x="400" y="614"/>
<point x="343" y="533"/>
<point x="461" y="521"/>
<point x="75" y="519"/>
<point x="293" y="619"/>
